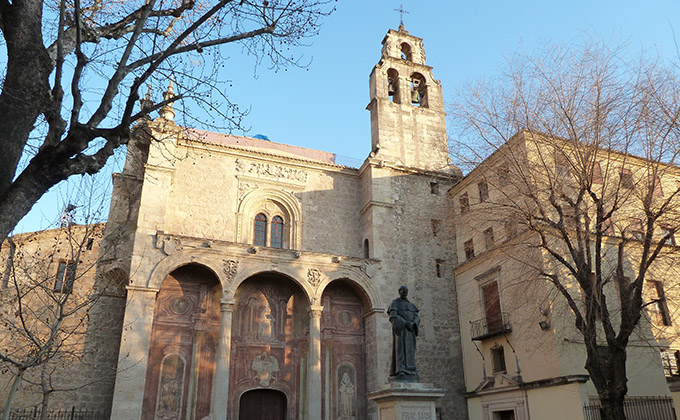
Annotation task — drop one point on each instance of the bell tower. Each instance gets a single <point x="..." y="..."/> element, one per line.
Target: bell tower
<point x="408" y="125"/>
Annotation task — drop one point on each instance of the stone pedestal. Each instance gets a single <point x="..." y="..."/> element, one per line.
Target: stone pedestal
<point x="407" y="401"/>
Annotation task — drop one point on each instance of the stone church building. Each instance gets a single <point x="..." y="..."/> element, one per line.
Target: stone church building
<point x="259" y="273"/>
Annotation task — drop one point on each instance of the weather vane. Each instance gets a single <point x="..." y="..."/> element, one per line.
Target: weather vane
<point x="401" y="13"/>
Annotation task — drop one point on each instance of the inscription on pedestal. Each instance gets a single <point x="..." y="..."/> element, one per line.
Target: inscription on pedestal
<point x="422" y="414"/>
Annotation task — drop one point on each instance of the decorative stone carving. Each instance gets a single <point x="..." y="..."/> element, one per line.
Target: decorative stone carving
<point x="265" y="365"/>
<point x="230" y="268"/>
<point x="172" y="245"/>
<point x="270" y="170"/>
<point x="314" y="277"/>
<point x="245" y="187"/>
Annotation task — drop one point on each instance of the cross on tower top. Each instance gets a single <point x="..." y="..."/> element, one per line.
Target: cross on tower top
<point x="401" y="11"/>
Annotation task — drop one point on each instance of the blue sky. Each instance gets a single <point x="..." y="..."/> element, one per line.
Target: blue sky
<point x="323" y="106"/>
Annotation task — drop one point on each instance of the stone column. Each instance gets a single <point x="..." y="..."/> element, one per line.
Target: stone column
<point x="314" y="364"/>
<point x="220" y="388"/>
<point x="133" y="358"/>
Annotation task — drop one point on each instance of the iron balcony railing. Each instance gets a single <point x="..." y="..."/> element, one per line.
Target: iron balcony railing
<point x="490" y="326"/>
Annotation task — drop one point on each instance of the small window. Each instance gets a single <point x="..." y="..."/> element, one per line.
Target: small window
<point x="469" y="248"/>
<point x="608" y="227"/>
<point x="669" y="234"/>
<point x="489" y="240"/>
<point x="503" y="174"/>
<point x="655" y="182"/>
<point x="464" y="203"/>
<point x="510" y="227"/>
<point x="597" y="173"/>
<point x="658" y="307"/>
<point x="260" y="231"/>
<point x="498" y="359"/>
<point x="66" y="273"/>
<point x="483" y="191"/>
<point x="438" y="266"/>
<point x="670" y="359"/>
<point x="90" y="244"/>
<point x="635" y="229"/>
<point x="434" y="188"/>
<point x="436" y="227"/>
<point x="627" y="179"/>
<point x="367" y="251"/>
<point x="277" y="232"/>
<point x="562" y="166"/>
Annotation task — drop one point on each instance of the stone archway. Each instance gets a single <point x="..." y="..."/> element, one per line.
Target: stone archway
<point x="269" y="340"/>
<point x="343" y="352"/>
<point x="184" y="338"/>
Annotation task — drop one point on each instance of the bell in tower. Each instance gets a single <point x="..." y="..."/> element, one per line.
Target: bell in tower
<point x="407" y="107"/>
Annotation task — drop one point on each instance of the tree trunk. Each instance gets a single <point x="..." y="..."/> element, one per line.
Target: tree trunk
<point x="12" y="394"/>
<point x="46" y="391"/>
<point x="612" y="407"/>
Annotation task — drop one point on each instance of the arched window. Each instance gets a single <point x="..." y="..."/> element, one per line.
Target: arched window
<point x="277" y="232"/>
<point x="367" y="251"/>
<point x="260" y="231"/>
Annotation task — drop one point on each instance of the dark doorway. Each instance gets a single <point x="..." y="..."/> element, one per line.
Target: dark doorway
<point x="505" y="415"/>
<point x="262" y="404"/>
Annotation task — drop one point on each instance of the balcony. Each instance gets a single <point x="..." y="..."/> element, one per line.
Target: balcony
<point x="490" y="326"/>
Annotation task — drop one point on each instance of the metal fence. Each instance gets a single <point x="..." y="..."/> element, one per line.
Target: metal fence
<point x="68" y="414"/>
<point x="640" y="408"/>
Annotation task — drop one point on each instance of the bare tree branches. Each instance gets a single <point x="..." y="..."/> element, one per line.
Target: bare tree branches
<point x="122" y="45"/>
<point x="591" y="139"/>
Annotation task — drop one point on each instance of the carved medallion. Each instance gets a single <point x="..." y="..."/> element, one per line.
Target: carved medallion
<point x="180" y="306"/>
<point x="172" y="245"/>
<point x="230" y="268"/>
<point x="265" y="365"/>
<point x="314" y="277"/>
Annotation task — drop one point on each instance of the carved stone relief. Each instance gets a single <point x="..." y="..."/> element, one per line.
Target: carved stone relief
<point x="346" y="392"/>
<point x="265" y="365"/>
<point x="270" y="170"/>
<point x="172" y="245"/>
<point x="314" y="277"/>
<point x="230" y="268"/>
<point x="169" y="403"/>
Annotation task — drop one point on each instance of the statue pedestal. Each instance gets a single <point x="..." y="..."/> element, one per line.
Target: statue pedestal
<point x="406" y="401"/>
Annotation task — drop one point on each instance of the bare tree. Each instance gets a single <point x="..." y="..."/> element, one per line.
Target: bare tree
<point x="588" y="141"/>
<point x="75" y="69"/>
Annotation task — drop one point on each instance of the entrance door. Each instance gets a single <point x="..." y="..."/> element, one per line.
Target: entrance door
<point x="262" y="404"/>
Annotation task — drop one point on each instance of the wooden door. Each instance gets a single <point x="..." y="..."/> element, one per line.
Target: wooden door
<point x="492" y="308"/>
<point x="262" y="404"/>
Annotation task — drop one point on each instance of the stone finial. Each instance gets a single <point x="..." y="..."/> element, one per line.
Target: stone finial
<point x="167" y="112"/>
<point x="146" y="103"/>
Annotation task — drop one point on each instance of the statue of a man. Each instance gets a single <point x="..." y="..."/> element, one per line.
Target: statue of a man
<point x="404" y="318"/>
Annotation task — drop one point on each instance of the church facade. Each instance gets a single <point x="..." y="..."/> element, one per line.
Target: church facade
<point x="259" y="273"/>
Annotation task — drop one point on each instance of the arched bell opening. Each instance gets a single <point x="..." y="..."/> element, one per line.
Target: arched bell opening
<point x="342" y="349"/>
<point x="418" y="90"/>
<point x="269" y="340"/>
<point x="405" y="49"/>
<point x="393" y="86"/>
<point x="184" y="338"/>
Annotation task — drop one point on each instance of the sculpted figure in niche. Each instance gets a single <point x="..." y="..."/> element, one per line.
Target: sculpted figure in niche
<point x="346" y="396"/>
<point x="404" y="318"/>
